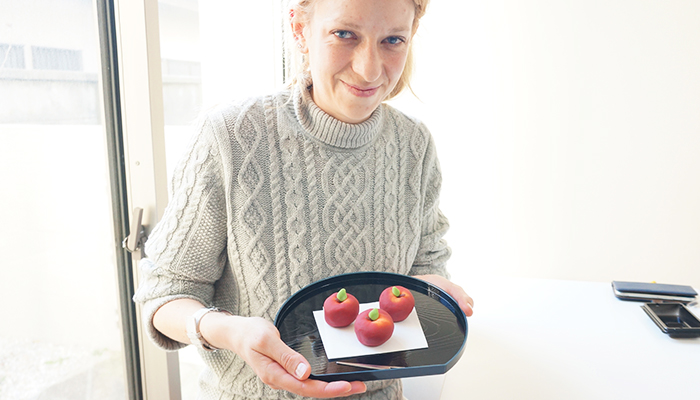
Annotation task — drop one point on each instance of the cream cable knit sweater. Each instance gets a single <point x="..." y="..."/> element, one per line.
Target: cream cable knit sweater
<point x="273" y="195"/>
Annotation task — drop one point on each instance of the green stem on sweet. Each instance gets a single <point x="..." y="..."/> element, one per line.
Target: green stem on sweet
<point x="342" y="295"/>
<point x="374" y="314"/>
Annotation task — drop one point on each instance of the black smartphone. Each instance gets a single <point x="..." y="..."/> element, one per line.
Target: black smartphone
<point x="646" y="291"/>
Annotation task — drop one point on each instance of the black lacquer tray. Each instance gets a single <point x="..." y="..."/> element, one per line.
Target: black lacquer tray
<point x="444" y="325"/>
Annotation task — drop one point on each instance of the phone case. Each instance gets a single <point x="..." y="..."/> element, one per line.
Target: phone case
<point x="653" y="291"/>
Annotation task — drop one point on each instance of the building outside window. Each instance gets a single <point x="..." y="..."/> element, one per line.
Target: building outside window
<point x="61" y="337"/>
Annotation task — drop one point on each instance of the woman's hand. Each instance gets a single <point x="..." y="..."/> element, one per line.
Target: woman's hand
<point x="465" y="302"/>
<point x="258" y="342"/>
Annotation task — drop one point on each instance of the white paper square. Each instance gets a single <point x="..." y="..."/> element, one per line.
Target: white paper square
<point x="342" y="342"/>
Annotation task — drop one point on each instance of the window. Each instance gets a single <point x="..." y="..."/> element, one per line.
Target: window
<point x="11" y="56"/>
<point x="56" y="59"/>
<point x="205" y="60"/>
<point x="181" y="68"/>
<point x="62" y="336"/>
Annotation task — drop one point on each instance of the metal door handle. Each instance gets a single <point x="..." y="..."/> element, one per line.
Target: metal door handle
<point x="137" y="237"/>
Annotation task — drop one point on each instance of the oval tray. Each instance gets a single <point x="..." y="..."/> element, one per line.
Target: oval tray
<point x="444" y="325"/>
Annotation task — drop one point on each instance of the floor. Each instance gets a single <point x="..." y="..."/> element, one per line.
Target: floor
<point x="40" y="371"/>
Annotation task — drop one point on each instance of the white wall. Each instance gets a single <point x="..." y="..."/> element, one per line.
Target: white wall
<point x="569" y="135"/>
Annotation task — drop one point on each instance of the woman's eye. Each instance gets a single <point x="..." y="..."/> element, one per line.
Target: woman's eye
<point x="394" y="40"/>
<point x="343" y="34"/>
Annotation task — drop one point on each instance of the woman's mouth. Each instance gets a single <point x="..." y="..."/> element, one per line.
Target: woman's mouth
<point x="361" y="91"/>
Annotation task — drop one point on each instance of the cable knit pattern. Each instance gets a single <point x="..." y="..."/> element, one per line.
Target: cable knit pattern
<point x="275" y="194"/>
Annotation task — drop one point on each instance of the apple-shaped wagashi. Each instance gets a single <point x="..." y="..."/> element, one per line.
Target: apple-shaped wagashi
<point x="397" y="301"/>
<point x="374" y="327"/>
<point x="340" y="309"/>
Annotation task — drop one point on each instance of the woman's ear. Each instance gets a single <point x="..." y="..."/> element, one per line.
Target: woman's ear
<point x="298" y="26"/>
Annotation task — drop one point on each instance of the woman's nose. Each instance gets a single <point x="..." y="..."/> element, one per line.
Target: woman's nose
<point x="367" y="62"/>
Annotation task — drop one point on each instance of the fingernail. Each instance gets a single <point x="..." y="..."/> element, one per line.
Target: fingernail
<point x="337" y="386"/>
<point x="301" y="370"/>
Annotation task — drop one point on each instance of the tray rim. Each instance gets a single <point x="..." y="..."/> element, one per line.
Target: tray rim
<point x="367" y="375"/>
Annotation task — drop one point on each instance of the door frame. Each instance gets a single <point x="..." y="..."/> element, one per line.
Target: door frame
<point x="133" y="100"/>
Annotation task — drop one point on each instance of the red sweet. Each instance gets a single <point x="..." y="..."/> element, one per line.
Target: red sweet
<point x="374" y="327"/>
<point x="340" y="309"/>
<point x="397" y="301"/>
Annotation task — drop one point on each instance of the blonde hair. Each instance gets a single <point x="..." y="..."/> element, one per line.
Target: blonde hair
<point x="297" y="65"/>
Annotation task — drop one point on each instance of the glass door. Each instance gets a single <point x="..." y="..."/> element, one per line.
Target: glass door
<point x="61" y="336"/>
<point x="208" y="57"/>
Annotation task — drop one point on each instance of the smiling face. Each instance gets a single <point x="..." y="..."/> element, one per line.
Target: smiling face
<point x="357" y="51"/>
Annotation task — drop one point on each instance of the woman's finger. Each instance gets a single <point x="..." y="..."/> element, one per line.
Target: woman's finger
<point x="294" y="363"/>
<point x="280" y="367"/>
<point x="276" y="376"/>
<point x="465" y="302"/>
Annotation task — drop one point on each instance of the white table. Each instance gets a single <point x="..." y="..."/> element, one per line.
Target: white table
<point x="551" y="339"/>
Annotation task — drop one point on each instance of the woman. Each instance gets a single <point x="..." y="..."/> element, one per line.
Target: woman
<point x="283" y="190"/>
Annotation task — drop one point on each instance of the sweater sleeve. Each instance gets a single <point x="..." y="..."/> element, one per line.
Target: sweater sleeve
<point x="186" y="249"/>
<point x="433" y="251"/>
